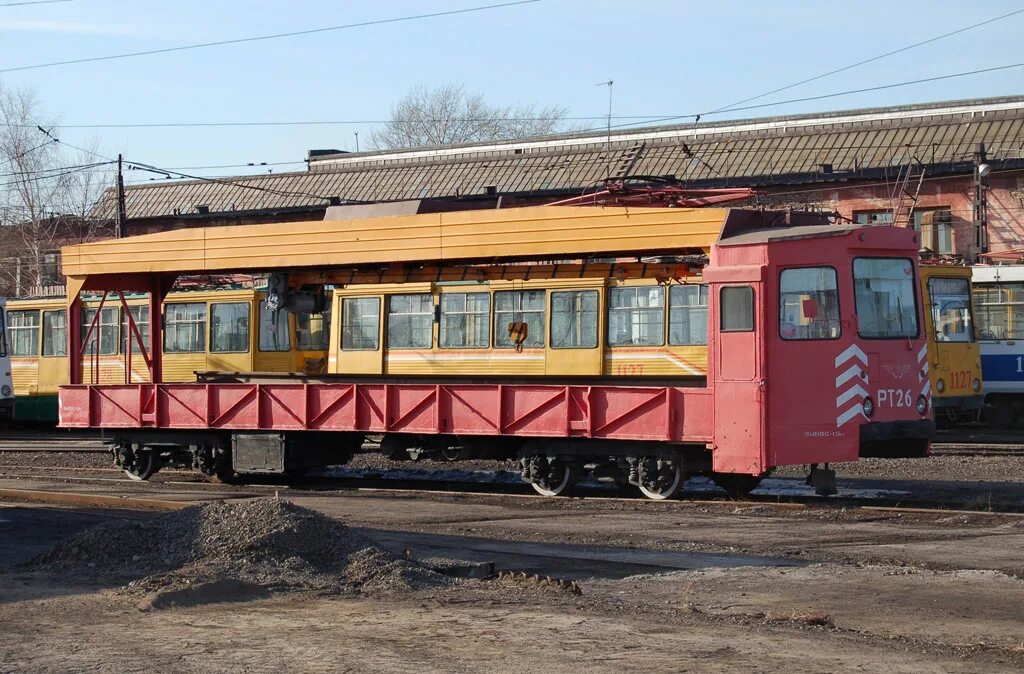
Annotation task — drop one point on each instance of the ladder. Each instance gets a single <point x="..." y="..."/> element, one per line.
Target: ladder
<point x="905" y="194"/>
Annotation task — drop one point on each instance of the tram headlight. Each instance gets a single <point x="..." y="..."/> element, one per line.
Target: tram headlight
<point x="976" y="385"/>
<point x="940" y="386"/>
<point x="868" y="406"/>
<point x="922" y="405"/>
<point x="5" y="391"/>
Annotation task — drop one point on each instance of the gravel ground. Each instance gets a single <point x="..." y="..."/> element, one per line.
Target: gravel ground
<point x="251" y="548"/>
<point x="64" y="459"/>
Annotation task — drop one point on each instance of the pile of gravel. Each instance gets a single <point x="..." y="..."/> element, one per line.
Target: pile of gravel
<point x="245" y="549"/>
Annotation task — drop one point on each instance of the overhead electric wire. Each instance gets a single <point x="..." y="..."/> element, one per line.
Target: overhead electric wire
<point x="274" y="36"/>
<point x="866" y="61"/>
<point x="26" y="152"/>
<point x="32" y="2"/>
<point x="280" y="193"/>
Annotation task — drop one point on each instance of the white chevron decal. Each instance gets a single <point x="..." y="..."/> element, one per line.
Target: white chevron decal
<point x="850" y="395"/>
<point x="853" y="351"/>
<point x="851" y="413"/>
<point x="854" y="371"/>
<point x="922" y="353"/>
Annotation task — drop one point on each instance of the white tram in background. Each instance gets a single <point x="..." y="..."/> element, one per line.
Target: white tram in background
<point x="999" y="305"/>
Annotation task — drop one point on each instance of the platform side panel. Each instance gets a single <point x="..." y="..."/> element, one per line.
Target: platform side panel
<point x="73" y="407"/>
<point x="183" y="406"/>
<point x="113" y="406"/>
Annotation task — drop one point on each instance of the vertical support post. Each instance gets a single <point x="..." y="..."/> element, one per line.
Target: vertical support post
<point x="122" y="210"/>
<point x="75" y="345"/>
<point x="980" y="206"/>
<point x="156" y="327"/>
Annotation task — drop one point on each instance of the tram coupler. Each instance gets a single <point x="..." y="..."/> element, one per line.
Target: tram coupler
<point x="823" y="480"/>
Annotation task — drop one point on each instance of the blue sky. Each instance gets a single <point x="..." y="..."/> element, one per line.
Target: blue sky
<point x="665" y="57"/>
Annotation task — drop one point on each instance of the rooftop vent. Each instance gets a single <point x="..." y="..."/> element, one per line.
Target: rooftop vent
<point x="202" y="209"/>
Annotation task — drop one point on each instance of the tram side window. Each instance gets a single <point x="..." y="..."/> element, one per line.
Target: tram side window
<point x="519" y="306"/>
<point x="274" y="335"/>
<point x="185" y="327"/>
<point x="737" y="309"/>
<point x="1000" y="310"/>
<point x="574" y="319"/>
<point x="885" y="297"/>
<point x="360" y="325"/>
<point x="809" y="304"/>
<point x="464" y="320"/>
<point x="140" y="316"/>
<point x="3" y="333"/>
<point x="55" y="333"/>
<point x="410" y="321"/>
<point x="23" y="332"/>
<point x="312" y="331"/>
<point x="636" y="316"/>
<point x="951" y="309"/>
<point x="688" y="315"/>
<point x="103" y="339"/>
<point x="229" y="327"/>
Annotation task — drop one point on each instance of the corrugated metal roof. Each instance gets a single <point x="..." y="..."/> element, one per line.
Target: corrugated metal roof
<point x="775" y="150"/>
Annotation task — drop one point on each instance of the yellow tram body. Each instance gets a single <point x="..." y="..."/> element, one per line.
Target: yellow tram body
<point x="592" y="327"/>
<point x="205" y="331"/>
<point x="954" y="356"/>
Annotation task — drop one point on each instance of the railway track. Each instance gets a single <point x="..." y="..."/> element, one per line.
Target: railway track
<point x="776" y="492"/>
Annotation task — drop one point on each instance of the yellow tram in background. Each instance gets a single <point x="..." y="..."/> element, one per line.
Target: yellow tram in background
<point x="954" y="355"/>
<point x="204" y="331"/>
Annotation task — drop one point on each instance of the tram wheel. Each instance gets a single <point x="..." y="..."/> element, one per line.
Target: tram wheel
<point x="552" y="478"/>
<point x="143" y="464"/>
<point x="661" y="479"/>
<point x="736" y="485"/>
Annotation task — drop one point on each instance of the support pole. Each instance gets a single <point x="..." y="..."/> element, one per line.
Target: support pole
<point x="74" y="332"/>
<point x="980" y="205"/>
<point x="122" y="210"/>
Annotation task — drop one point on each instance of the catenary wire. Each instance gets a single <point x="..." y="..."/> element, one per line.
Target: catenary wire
<point x="258" y="38"/>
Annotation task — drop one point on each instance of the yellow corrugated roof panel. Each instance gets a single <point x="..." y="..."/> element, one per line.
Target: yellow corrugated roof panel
<point x="541" y="231"/>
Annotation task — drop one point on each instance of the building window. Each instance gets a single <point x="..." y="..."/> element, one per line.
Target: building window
<point x="809" y="304"/>
<point x="519" y="306"/>
<point x="574" y="319"/>
<point x="274" y="334"/>
<point x="737" y="309"/>
<point x="23" y="332"/>
<point x="229" y="327"/>
<point x="410" y="321"/>
<point x="936" y="227"/>
<point x="464" y="320"/>
<point x="360" y="326"/>
<point x="876" y="217"/>
<point x="688" y="315"/>
<point x="55" y="333"/>
<point x="636" y="316"/>
<point x="140" y="316"/>
<point x="103" y="339"/>
<point x="185" y="327"/>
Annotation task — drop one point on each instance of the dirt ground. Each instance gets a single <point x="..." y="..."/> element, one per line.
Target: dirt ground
<point x="665" y="587"/>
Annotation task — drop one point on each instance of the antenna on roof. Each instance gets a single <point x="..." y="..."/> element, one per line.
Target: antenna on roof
<point x="608" y="146"/>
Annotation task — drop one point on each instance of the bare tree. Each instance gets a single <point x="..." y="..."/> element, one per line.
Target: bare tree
<point x="448" y="114"/>
<point x="46" y="193"/>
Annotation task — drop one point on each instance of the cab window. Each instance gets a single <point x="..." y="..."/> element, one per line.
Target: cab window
<point x="55" y="333"/>
<point x="229" y="327"/>
<point x="312" y="330"/>
<point x="809" y="304"/>
<point x="360" y="323"/>
<point x="884" y="293"/>
<point x="737" y="309"/>
<point x="23" y="332"/>
<point x="950" y="300"/>
<point x="185" y="327"/>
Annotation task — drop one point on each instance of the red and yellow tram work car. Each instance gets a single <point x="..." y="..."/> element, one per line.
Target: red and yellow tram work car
<point x="798" y="342"/>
